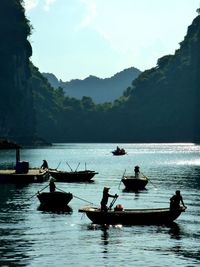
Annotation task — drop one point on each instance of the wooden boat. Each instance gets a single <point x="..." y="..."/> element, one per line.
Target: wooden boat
<point x="119" y="152"/>
<point x="34" y="175"/>
<point x="21" y="173"/>
<point x="72" y="176"/>
<point x="154" y="216"/>
<point x="135" y="183"/>
<point x="54" y="199"/>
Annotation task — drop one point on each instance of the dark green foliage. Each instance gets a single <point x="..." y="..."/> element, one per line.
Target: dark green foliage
<point x="161" y="105"/>
<point x="16" y="108"/>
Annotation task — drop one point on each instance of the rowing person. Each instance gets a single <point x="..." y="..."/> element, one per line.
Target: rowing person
<point x="52" y="186"/>
<point x="137" y="172"/>
<point x="175" y="200"/>
<point x="105" y="197"/>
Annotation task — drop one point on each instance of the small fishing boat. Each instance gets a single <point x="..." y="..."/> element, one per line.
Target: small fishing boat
<point x="155" y="216"/>
<point x="119" y="152"/>
<point x="57" y="200"/>
<point x="34" y="175"/>
<point x="72" y="176"/>
<point x="135" y="183"/>
<point x="21" y="173"/>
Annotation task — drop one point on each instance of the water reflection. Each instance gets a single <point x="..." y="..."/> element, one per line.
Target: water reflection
<point x="135" y="193"/>
<point x="45" y="208"/>
<point x="175" y="231"/>
<point x="104" y="238"/>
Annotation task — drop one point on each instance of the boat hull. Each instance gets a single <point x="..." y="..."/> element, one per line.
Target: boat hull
<point x="134" y="184"/>
<point x="119" y="153"/>
<point x="54" y="199"/>
<point x="133" y="216"/>
<point x="79" y="176"/>
<point x="32" y="176"/>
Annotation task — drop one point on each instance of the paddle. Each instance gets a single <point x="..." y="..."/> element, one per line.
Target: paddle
<point x="76" y="196"/>
<point x="35" y="194"/>
<point x="113" y="202"/>
<point x="69" y="166"/>
<point x="58" y="165"/>
<point x="121" y="178"/>
<point x="77" y="166"/>
<point x="150" y="182"/>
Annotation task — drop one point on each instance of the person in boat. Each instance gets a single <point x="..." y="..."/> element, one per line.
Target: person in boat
<point x="44" y="165"/>
<point x="52" y="186"/>
<point x="118" y="149"/>
<point x="105" y="197"/>
<point x="175" y="200"/>
<point x="137" y="171"/>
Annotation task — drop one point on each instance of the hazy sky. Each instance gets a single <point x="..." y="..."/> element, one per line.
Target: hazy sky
<point x="77" y="38"/>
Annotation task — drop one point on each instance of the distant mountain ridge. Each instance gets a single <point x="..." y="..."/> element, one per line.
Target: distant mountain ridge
<point x="100" y="90"/>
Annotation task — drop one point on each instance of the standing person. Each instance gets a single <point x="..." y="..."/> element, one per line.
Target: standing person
<point x="52" y="186"/>
<point x="137" y="171"/>
<point x="175" y="200"/>
<point x="44" y="165"/>
<point x="105" y="197"/>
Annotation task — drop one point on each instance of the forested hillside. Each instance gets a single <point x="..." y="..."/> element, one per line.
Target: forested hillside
<point x="16" y="105"/>
<point x="161" y="105"/>
<point x="100" y="90"/>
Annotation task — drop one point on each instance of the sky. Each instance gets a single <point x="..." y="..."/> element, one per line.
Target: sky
<point x="74" y="39"/>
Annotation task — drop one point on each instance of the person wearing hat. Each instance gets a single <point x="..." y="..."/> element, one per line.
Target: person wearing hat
<point x="105" y="197"/>
<point x="137" y="171"/>
<point x="52" y="186"/>
<point x="175" y="200"/>
<point x="44" y="165"/>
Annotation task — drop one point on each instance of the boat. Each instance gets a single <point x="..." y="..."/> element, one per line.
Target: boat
<point x="57" y="200"/>
<point x="135" y="183"/>
<point x="154" y="216"/>
<point x="21" y="173"/>
<point x="119" y="152"/>
<point x="34" y="175"/>
<point x="72" y="176"/>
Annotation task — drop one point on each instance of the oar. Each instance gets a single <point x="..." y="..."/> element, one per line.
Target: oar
<point x="121" y="178"/>
<point x="84" y="200"/>
<point x="150" y="182"/>
<point x="76" y="196"/>
<point x="58" y="165"/>
<point x="69" y="166"/>
<point x="77" y="166"/>
<point x="35" y="194"/>
<point x="113" y="202"/>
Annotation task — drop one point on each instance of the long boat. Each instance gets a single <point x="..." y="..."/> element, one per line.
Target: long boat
<point x="72" y="176"/>
<point x="34" y="175"/>
<point x="21" y="173"/>
<point x="155" y="216"/>
<point x="57" y="200"/>
<point x="135" y="183"/>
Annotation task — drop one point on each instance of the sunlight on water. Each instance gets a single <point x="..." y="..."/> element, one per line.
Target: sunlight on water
<point x="33" y="237"/>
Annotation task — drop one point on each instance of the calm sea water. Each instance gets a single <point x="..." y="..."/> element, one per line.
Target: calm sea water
<point x="30" y="237"/>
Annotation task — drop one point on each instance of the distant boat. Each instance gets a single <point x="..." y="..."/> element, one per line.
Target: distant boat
<point x="155" y="216"/>
<point x="135" y="183"/>
<point x="58" y="200"/>
<point x="119" y="152"/>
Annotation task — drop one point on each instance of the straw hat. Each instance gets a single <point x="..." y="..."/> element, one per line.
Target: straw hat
<point x="106" y="188"/>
